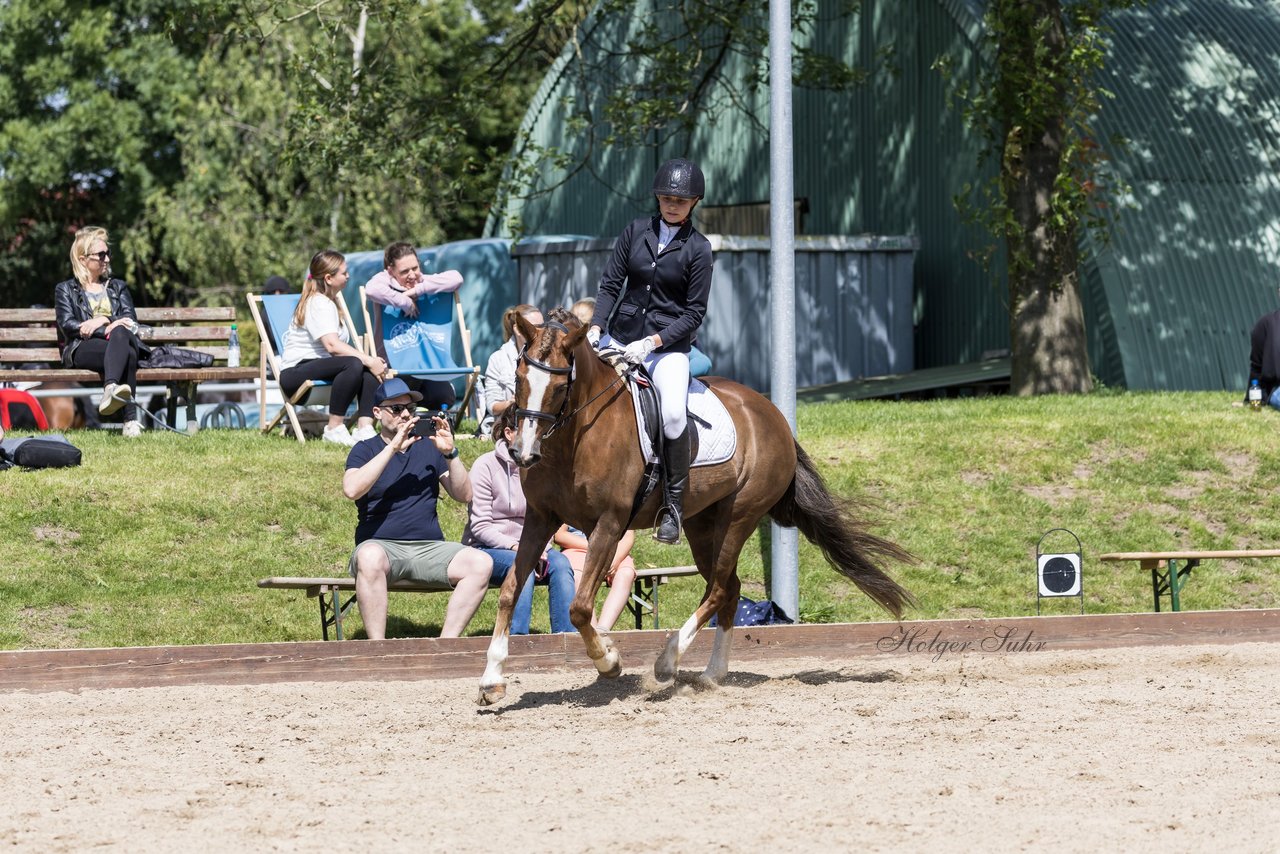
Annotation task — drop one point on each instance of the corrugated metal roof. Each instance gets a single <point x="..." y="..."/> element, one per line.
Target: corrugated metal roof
<point x="1168" y="303"/>
<point x="1192" y="265"/>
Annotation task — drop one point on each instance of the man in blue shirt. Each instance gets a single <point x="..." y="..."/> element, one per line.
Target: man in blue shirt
<point x="395" y="479"/>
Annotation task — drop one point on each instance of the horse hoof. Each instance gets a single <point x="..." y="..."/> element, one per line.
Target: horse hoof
<point x="493" y="694"/>
<point x="609" y="664"/>
<point x="666" y="664"/>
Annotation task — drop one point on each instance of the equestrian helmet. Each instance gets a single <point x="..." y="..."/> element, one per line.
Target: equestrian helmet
<point x="679" y="177"/>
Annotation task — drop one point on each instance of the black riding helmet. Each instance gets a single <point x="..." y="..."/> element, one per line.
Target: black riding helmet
<point x="679" y="177"/>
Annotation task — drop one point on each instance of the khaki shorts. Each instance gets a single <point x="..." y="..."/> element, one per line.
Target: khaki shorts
<point x="425" y="561"/>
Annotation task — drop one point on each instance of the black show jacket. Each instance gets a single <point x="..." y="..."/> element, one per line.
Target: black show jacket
<point x="666" y="294"/>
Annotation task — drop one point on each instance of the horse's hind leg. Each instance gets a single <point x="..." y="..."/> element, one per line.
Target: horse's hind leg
<point x="718" y="665"/>
<point x="715" y="550"/>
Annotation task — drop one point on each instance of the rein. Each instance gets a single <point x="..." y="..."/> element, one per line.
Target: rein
<point x="560" y="418"/>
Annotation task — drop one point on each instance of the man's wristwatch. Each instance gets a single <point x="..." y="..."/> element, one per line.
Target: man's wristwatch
<point x="452" y="455"/>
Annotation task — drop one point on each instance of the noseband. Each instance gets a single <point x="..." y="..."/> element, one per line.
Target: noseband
<point x="537" y="414"/>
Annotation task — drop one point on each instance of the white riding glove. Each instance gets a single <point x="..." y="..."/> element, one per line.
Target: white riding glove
<point x="593" y="337"/>
<point x="637" y="351"/>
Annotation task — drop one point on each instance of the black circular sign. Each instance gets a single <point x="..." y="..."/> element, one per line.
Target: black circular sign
<point x="1059" y="574"/>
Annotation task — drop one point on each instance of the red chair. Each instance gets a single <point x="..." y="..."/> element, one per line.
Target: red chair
<point x="10" y="397"/>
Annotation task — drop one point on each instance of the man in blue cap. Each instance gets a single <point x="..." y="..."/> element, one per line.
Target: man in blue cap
<point x="395" y="478"/>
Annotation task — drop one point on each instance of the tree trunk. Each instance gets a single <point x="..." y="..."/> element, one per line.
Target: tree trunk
<point x="1046" y="317"/>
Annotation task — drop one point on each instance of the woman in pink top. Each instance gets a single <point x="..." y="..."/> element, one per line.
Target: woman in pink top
<point x="495" y="520"/>
<point x="399" y="285"/>
<point x="402" y="281"/>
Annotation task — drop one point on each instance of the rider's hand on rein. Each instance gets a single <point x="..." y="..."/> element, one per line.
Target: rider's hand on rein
<point x="637" y="351"/>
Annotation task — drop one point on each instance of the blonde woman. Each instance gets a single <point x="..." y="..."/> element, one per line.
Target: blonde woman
<point x="97" y="326"/>
<point x="500" y="374"/>
<point x="318" y="347"/>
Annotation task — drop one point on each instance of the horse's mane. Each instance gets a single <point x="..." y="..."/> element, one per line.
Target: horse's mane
<point x="541" y="348"/>
<point x="563" y="315"/>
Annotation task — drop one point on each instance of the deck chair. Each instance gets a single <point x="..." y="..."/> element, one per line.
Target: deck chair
<point x="278" y="310"/>
<point x="422" y="347"/>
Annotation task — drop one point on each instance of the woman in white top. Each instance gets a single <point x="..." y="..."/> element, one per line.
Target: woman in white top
<point x="500" y="374"/>
<point x="318" y="347"/>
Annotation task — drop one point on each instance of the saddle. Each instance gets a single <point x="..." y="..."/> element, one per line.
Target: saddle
<point x="712" y="435"/>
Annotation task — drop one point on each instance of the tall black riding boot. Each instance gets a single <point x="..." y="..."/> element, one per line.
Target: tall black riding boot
<point x="675" y="459"/>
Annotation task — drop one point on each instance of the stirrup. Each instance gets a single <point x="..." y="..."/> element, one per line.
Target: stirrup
<point x="668" y="516"/>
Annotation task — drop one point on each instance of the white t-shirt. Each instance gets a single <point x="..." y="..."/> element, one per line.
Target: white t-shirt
<point x="303" y="343"/>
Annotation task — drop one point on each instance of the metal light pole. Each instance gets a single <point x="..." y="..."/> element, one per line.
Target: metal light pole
<point x="785" y="587"/>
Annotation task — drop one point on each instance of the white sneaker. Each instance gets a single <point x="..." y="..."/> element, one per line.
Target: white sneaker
<point x="132" y="429"/>
<point x="113" y="397"/>
<point x="362" y="433"/>
<point x="339" y="435"/>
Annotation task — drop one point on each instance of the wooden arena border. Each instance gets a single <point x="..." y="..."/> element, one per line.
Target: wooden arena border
<point x="432" y="658"/>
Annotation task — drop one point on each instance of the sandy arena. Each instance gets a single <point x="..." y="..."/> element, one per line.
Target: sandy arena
<point x="1168" y="748"/>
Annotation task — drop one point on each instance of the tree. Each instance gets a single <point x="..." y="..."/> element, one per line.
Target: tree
<point x="412" y="97"/>
<point x="90" y="95"/>
<point x="653" y="72"/>
<point x="1033" y="105"/>
<point x="223" y="140"/>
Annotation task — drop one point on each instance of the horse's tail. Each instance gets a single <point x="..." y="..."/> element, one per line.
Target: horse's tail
<point x="831" y="524"/>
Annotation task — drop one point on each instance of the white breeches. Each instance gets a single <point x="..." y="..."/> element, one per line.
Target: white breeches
<point x="670" y="372"/>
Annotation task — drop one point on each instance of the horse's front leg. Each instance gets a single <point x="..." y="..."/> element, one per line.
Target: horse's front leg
<point x="493" y="683"/>
<point x="602" y="546"/>
<point x="533" y="539"/>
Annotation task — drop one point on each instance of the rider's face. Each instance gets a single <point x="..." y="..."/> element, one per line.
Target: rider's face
<point x="675" y="209"/>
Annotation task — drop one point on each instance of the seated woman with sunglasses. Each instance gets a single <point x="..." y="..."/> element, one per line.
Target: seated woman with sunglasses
<point x="98" y="325"/>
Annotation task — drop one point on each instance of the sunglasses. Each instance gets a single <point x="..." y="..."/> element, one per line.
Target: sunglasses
<point x="399" y="408"/>
<point x="101" y="256"/>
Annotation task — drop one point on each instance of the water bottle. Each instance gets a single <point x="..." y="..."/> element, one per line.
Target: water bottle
<point x="1255" y="396"/>
<point x="233" y="348"/>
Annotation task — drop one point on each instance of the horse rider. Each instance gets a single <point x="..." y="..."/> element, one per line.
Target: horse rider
<point x="665" y="264"/>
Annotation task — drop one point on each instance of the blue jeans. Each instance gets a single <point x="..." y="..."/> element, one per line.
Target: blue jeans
<point x="1274" y="402"/>
<point x="559" y="580"/>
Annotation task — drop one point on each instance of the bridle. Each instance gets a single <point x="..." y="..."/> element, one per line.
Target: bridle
<point x="559" y="418"/>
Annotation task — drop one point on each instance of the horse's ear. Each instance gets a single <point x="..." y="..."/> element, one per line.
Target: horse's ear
<point x="574" y="338"/>
<point x="527" y="330"/>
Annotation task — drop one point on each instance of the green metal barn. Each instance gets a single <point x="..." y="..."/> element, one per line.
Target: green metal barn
<point x="1169" y="301"/>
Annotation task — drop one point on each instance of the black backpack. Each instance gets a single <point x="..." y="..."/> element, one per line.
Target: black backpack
<point x="40" y="452"/>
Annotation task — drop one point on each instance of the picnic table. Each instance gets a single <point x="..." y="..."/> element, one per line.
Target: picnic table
<point x="1169" y="570"/>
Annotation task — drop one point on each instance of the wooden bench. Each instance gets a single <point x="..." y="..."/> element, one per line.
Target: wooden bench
<point x="644" y="593"/>
<point x="30" y="335"/>
<point x="1170" y="569"/>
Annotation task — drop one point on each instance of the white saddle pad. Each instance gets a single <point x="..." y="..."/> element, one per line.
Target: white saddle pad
<point x="715" y="443"/>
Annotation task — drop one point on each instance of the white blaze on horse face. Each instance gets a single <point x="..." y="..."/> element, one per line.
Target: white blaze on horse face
<point x="539" y="382"/>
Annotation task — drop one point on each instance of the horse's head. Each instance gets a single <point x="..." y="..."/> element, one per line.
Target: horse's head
<point x="544" y="375"/>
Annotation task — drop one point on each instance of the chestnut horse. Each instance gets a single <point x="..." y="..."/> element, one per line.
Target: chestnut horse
<point x="577" y="441"/>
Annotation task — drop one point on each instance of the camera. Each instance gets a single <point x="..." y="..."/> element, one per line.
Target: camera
<point x="426" y="426"/>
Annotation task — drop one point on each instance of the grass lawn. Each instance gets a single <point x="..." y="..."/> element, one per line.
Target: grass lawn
<point x="161" y="540"/>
